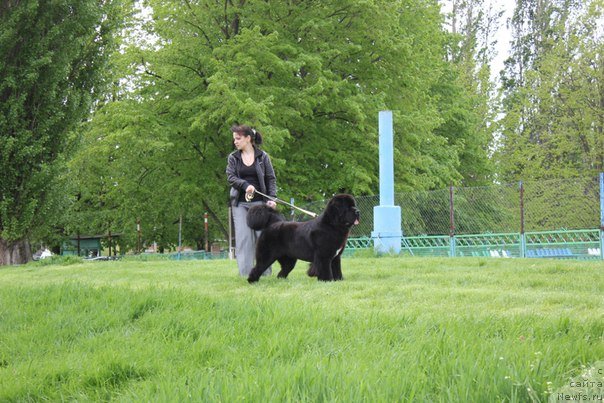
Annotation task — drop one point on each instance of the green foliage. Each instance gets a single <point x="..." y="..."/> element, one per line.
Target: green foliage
<point x="466" y="92"/>
<point x="54" y="57"/>
<point x="463" y="330"/>
<point x="553" y="125"/>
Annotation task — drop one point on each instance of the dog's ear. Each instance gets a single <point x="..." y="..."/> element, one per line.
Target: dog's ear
<point x="334" y="211"/>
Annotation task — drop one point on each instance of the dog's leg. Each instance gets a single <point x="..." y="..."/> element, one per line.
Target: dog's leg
<point x="323" y="267"/>
<point x="312" y="272"/>
<point x="287" y="265"/>
<point x="264" y="258"/>
<point x="262" y="263"/>
<point x="336" y="268"/>
<point x="258" y="270"/>
<point x="255" y="274"/>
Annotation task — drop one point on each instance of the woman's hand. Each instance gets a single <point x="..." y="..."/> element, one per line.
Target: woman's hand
<point x="249" y="193"/>
<point x="271" y="204"/>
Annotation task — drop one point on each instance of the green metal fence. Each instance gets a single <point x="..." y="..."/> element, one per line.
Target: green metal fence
<point x="572" y="244"/>
<point x="557" y="219"/>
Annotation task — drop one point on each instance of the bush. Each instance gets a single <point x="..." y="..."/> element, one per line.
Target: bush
<point x="60" y="260"/>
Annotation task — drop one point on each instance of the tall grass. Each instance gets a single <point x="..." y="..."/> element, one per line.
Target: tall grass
<point x="395" y="330"/>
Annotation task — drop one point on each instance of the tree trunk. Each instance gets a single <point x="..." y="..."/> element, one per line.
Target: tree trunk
<point x="217" y="221"/>
<point x="14" y="252"/>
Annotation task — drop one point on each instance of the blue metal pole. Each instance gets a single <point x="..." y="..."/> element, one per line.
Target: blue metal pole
<point x="386" y="148"/>
<point x="387" y="232"/>
<point x="602" y="215"/>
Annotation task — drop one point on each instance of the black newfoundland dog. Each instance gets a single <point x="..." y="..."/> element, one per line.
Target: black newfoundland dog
<point x="320" y="241"/>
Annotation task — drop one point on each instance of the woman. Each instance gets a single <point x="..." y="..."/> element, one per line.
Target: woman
<point x="248" y="168"/>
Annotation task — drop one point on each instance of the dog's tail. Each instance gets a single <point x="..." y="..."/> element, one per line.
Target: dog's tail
<point x="261" y="216"/>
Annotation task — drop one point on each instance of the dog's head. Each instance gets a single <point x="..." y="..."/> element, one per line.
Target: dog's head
<point x="342" y="211"/>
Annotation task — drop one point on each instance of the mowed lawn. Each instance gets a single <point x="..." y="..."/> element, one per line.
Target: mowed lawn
<point x="396" y="329"/>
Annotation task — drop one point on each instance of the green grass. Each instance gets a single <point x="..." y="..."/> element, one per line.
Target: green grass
<point x="403" y="329"/>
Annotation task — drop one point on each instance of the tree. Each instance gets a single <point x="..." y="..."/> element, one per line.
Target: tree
<point x="552" y="92"/>
<point x="310" y="75"/>
<point x="54" y="57"/>
<point x="467" y="90"/>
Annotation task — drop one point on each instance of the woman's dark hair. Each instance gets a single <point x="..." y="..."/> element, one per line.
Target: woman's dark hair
<point x="248" y="131"/>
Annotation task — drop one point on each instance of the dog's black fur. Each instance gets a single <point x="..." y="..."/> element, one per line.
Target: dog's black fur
<point x="320" y="241"/>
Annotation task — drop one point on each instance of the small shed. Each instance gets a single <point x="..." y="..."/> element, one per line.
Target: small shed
<point x="86" y="245"/>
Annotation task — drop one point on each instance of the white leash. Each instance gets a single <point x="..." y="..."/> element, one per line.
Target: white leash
<point x="250" y="196"/>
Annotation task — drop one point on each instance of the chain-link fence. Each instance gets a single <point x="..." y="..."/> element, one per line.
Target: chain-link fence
<point x="512" y="207"/>
<point x="555" y="218"/>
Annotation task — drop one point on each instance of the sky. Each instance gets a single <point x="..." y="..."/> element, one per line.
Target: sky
<point x="504" y="35"/>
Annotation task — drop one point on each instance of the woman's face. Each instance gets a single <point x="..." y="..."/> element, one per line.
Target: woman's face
<point x="241" y="141"/>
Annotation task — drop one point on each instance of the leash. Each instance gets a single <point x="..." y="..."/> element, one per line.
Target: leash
<point x="250" y="196"/>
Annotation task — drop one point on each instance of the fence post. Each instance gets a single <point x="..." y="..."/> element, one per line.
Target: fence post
<point x="138" y="235"/>
<point x="602" y="215"/>
<point x="179" y="237"/>
<point x="522" y="235"/>
<point x="206" y="232"/>
<point x="451" y="224"/>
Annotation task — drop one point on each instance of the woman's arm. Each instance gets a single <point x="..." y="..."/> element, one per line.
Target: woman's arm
<point x="232" y="177"/>
<point x="269" y="176"/>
